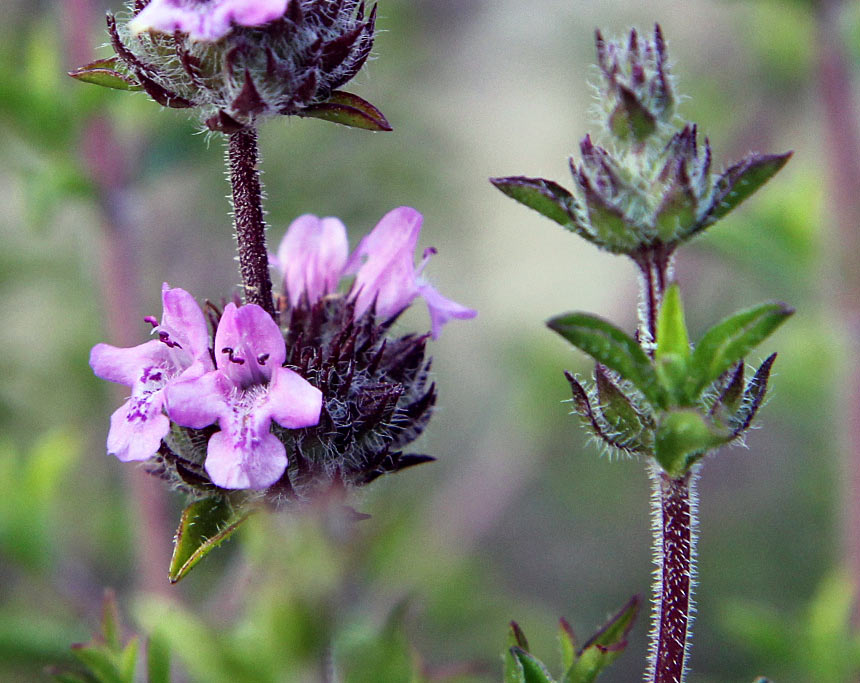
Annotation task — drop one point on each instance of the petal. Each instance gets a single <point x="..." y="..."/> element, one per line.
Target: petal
<point x="248" y="344"/>
<point x="291" y="400"/>
<point x="206" y="20"/>
<point x="136" y="430"/>
<point x="125" y="366"/>
<point x="312" y="256"/>
<point x="387" y="274"/>
<point x="183" y="320"/>
<point x="245" y="461"/>
<point x="198" y="402"/>
<point x="442" y="309"/>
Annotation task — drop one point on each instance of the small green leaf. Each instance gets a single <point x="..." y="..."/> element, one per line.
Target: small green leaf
<point x="613" y="348"/>
<point x="101" y="663"/>
<point x="605" y="646"/>
<point x="348" y="110"/>
<point x="157" y="659"/>
<point x="730" y="340"/>
<point x="128" y="661"/>
<point x="567" y="644"/>
<point x="204" y="525"/>
<point x="547" y="198"/>
<point x="673" y="344"/>
<point x="110" y="621"/>
<point x="513" y="668"/>
<point x="108" y="73"/>
<point x="615" y="407"/>
<point x="739" y="182"/>
<point x="533" y="669"/>
<point x="630" y="116"/>
<point x="682" y="435"/>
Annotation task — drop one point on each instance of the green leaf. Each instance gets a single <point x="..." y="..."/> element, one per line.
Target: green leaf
<point x="513" y="668"/>
<point x="205" y="524"/>
<point x="157" y="659"/>
<point x="730" y="340"/>
<point x="128" y="661"/>
<point x="613" y="348"/>
<point x="108" y="73"/>
<point x="673" y="344"/>
<point x="110" y="621"/>
<point x="739" y="182"/>
<point x="348" y="110"/>
<point x="681" y="436"/>
<point x="533" y="669"/>
<point x="605" y="646"/>
<point x="567" y="644"/>
<point x="101" y="663"/>
<point x="547" y="198"/>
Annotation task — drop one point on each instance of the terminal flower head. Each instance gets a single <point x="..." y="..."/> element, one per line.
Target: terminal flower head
<point x="181" y="351"/>
<point x="246" y="391"/>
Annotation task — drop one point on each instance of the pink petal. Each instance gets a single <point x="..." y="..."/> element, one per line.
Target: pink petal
<point x="136" y="435"/>
<point x="384" y="260"/>
<point x="292" y="401"/>
<point x="248" y="345"/>
<point x="183" y="320"/>
<point x="198" y="402"/>
<point x="237" y="463"/>
<point x="442" y="309"/>
<point x="205" y="20"/>
<point x="126" y="366"/>
<point x="312" y="256"/>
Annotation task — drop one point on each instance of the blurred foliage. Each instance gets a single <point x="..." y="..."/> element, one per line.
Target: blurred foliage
<point x="519" y="517"/>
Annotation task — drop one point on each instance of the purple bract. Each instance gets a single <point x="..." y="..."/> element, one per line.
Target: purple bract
<point x="205" y="20"/>
<point x="248" y="390"/>
<point x="312" y="257"/>
<point x="181" y="351"/>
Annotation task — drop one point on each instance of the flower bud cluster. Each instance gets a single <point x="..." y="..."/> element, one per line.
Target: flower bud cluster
<point x="237" y="67"/>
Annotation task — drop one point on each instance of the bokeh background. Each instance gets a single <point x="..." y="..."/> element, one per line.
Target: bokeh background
<point x="105" y="196"/>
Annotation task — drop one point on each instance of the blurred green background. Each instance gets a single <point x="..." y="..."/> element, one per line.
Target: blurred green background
<point x="520" y="518"/>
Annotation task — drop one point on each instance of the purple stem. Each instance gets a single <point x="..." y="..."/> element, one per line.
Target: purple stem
<point x="673" y="524"/>
<point x="243" y="161"/>
<point x="674" y="518"/>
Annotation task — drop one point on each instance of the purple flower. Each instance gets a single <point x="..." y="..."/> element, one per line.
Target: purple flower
<point x="181" y="351"/>
<point x="248" y="390"/>
<point x="312" y="258"/>
<point x="205" y="20"/>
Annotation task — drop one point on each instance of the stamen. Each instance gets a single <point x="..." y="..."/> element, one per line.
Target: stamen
<point x="164" y="337"/>
<point x="262" y="358"/>
<point x="151" y="320"/>
<point x="233" y="359"/>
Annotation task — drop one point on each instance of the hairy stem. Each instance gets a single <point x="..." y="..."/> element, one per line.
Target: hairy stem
<point x="674" y="513"/>
<point x="674" y="525"/>
<point x="243" y="161"/>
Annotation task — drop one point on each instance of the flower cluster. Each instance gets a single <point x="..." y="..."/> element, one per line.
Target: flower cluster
<point x="238" y="61"/>
<point x="331" y="395"/>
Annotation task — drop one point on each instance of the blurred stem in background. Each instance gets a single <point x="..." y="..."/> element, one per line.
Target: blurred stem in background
<point x="104" y="158"/>
<point x="842" y="158"/>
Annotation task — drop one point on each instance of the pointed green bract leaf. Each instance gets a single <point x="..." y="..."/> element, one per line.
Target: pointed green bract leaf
<point x="533" y="669"/>
<point x="567" y="644"/>
<point x="157" y="659"/>
<point x="110" y="621"/>
<point x="682" y="435"/>
<point x="513" y="668"/>
<point x="108" y="73"/>
<point x="740" y="181"/>
<point x="605" y="646"/>
<point x="204" y="525"/>
<point x="673" y="344"/>
<point x="547" y="198"/>
<point x="128" y="661"/>
<point x="612" y="347"/>
<point x="102" y="664"/>
<point x="729" y="341"/>
<point x="348" y="110"/>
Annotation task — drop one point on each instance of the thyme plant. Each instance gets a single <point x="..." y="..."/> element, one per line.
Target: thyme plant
<point x="654" y="395"/>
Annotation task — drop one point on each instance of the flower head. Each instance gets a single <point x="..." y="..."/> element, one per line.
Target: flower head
<point x="205" y="20"/>
<point x="312" y="257"/>
<point x="247" y="391"/>
<point x="181" y="351"/>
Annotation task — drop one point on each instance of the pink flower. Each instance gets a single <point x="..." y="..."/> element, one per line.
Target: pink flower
<point x="205" y="20"/>
<point x="181" y="351"/>
<point x="312" y="257"/>
<point x="248" y="390"/>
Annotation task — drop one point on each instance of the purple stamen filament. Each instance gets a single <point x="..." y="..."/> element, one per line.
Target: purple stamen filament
<point x="233" y="359"/>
